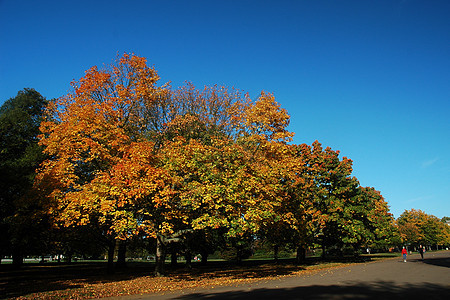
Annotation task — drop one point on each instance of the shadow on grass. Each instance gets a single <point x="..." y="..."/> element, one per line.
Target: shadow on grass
<point x="32" y="278"/>
<point x="247" y="269"/>
<point x="376" y="290"/>
<point x="260" y="268"/>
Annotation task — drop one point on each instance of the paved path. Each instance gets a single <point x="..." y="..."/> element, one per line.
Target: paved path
<point x="388" y="279"/>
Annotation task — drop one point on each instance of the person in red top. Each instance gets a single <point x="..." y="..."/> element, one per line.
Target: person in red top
<point x="405" y="253"/>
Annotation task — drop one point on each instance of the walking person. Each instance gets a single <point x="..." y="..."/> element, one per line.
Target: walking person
<point x="405" y="253"/>
<point x="421" y="251"/>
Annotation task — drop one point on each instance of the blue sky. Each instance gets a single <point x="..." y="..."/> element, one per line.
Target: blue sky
<point x="368" y="78"/>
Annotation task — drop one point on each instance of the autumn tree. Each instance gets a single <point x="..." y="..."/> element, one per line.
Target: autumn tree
<point x="444" y="232"/>
<point x="228" y="179"/>
<point x="101" y="167"/>
<point x="108" y="141"/>
<point x="289" y="226"/>
<point x="381" y="231"/>
<point x="188" y="125"/>
<point x="333" y="209"/>
<point x="418" y="228"/>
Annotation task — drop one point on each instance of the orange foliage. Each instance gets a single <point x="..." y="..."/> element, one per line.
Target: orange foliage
<point x="100" y="163"/>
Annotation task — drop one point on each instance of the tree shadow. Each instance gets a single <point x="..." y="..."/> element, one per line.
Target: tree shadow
<point x="376" y="290"/>
<point x="51" y="277"/>
<point x="237" y="272"/>
<point x="437" y="261"/>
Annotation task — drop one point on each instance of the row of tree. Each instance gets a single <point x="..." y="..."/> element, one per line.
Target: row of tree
<point x="418" y="228"/>
<point x="122" y="158"/>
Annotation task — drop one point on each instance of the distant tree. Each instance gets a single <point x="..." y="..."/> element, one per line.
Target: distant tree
<point x="444" y="233"/>
<point x="20" y="155"/>
<point x="416" y="227"/>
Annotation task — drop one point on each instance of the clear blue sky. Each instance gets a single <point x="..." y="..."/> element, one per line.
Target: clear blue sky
<point x="368" y="78"/>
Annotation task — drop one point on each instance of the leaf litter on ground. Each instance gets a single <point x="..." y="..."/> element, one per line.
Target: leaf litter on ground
<point x="130" y="282"/>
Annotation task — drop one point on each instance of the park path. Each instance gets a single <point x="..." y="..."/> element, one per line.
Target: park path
<point x="387" y="279"/>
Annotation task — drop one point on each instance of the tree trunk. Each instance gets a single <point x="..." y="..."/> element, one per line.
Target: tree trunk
<point x="301" y="254"/>
<point x="204" y="257"/>
<point x="173" y="258"/>
<point x="275" y="252"/>
<point x="121" y="254"/>
<point x="356" y="250"/>
<point x="17" y="259"/>
<point x="239" y="255"/>
<point x="111" y="250"/>
<point x="68" y="256"/>
<point x="160" y="256"/>
<point x="188" y="258"/>
<point x="324" y="250"/>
